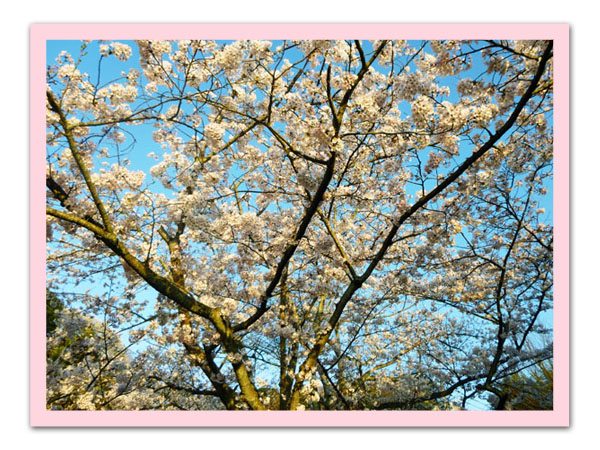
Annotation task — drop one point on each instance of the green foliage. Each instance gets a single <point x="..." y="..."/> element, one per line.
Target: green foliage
<point x="533" y="390"/>
<point x="54" y="307"/>
<point x="85" y="361"/>
<point x="528" y="390"/>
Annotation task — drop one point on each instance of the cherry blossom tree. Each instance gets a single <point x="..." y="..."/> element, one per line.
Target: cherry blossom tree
<point x="301" y="224"/>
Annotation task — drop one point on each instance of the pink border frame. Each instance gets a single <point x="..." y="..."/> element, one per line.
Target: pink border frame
<point x="41" y="417"/>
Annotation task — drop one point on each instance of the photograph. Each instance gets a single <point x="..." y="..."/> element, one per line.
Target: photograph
<point x="363" y="226"/>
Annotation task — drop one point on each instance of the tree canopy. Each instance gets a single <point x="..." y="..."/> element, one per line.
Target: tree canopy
<point x="300" y="224"/>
